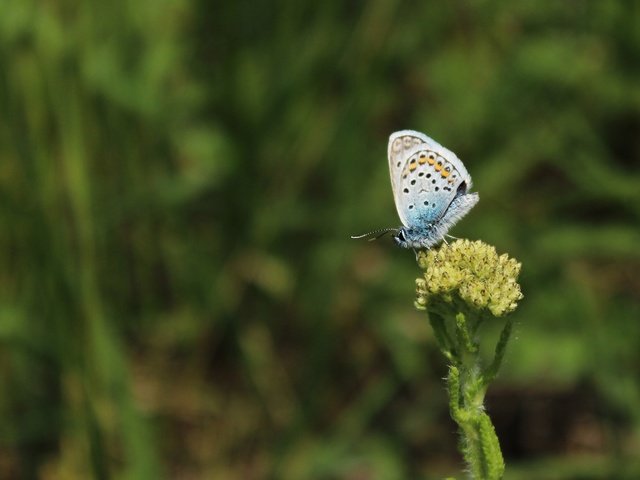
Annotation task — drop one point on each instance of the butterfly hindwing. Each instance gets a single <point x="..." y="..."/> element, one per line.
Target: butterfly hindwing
<point x="458" y="208"/>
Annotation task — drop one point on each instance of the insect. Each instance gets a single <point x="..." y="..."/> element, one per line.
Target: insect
<point x="430" y="188"/>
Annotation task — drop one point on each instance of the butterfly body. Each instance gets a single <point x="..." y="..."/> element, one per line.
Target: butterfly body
<point x="430" y="188"/>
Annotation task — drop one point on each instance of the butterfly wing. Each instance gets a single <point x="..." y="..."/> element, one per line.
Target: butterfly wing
<point x="425" y="176"/>
<point x="400" y="143"/>
<point x="457" y="209"/>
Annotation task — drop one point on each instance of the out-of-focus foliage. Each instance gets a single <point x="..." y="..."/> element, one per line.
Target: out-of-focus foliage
<point x="178" y="182"/>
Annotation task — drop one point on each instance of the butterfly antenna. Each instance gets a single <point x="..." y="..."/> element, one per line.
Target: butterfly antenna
<point x="376" y="234"/>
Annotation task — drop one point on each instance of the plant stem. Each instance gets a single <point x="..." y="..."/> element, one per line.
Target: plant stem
<point x="479" y="443"/>
<point x="443" y="339"/>
<point x="492" y="371"/>
<point x="467" y="385"/>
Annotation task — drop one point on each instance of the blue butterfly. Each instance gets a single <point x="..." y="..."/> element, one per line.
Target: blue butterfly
<point x="430" y="188"/>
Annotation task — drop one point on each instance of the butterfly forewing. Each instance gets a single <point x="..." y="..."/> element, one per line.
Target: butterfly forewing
<point x="400" y="143"/>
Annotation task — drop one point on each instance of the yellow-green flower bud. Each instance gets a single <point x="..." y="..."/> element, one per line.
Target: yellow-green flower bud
<point x="471" y="272"/>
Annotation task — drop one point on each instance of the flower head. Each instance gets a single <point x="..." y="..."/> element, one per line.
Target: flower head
<point x="469" y="275"/>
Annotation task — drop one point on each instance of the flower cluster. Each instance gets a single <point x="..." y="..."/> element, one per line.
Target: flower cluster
<point x="470" y="272"/>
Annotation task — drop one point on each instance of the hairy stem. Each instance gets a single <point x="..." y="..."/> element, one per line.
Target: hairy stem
<point x="444" y="340"/>
<point x="501" y="347"/>
<point x="467" y="385"/>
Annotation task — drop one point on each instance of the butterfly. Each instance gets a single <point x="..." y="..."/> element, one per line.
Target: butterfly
<point x="430" y="188"/>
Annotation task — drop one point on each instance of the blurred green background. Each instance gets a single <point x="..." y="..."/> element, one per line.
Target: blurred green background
<point x="179" y="296"/>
